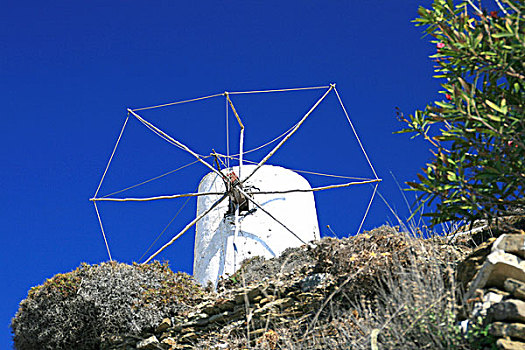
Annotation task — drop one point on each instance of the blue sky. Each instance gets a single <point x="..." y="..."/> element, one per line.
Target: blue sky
<point x="70" y="69"/>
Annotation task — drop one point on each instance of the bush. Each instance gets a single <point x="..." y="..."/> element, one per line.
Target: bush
<point x="415" y="309"/>
<point x="478" y="169"/>
<point x="79" y="309"/>
<point x="414" y="306"/>
<point x="382" y="290"/>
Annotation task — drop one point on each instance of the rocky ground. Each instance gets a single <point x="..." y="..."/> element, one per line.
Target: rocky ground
<point x="382" y="289"/>
<point x="309" y="297"/>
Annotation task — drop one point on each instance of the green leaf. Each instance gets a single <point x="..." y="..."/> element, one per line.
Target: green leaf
<point x="493" y="117"/>
<point x="502" y="35"/>
<point x="479" y="175"/>
<point x="495" y="107"/>
<point x="444" y="104"/>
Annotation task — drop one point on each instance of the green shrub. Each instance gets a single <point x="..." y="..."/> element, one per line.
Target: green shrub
<point x="79" y="309"/>
<point x="478" y="168"/>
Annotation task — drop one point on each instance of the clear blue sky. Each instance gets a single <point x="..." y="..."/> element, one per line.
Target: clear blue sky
<point x="69" y="70"/>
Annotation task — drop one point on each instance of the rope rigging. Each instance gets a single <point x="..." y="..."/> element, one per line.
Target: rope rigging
<point x="165" y="228"/>
<point x="238" y="194"/>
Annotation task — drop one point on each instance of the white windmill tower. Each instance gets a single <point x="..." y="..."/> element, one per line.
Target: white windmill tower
<point x="251" y="209"/>
<point x="247" y="225"/>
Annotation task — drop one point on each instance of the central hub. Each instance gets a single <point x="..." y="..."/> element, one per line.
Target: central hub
<point x="236" y="196"/>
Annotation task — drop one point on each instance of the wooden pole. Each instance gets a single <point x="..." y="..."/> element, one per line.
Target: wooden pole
<point x="265" y="159"/>
<point x="270" y="215"/>
<point x="178" y="143"/>
<point x="315" y="189"/>
<point x="188" y="226"/>
<point x="146" y="199"/>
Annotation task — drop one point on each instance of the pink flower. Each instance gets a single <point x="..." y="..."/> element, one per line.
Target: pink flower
<point x="448" y="97"/>
<point x="440" y="45"/>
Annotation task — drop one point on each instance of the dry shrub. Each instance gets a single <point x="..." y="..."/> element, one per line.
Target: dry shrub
<point x="406" y="301"/>
<point x="79" y="309"/>
<point x="392" y="291"/>
<point x="414" y="308"/>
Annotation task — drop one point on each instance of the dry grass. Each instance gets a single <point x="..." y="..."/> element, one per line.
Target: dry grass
<point x="378" y="290"/>
<point x="391" y="291"/>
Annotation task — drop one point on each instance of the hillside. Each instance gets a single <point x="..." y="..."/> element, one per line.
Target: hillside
<point x="331" y="294"/>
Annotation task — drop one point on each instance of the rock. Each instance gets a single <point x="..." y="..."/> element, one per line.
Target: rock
<point x="246" y="294"/>
<point x="279" y="304"/>
<point x="505" y="330"/>
<point x="188" y="336"/>
<point x="267" y="299"/>
<point x="309" y="296"/>
<point x="211" y="309"/>
<point x="225" y="305"/>
<point x="503" y="293"/>
<point x="187" y="330"/>
<point x="169" y="341"/>
<point x="511" y="243"/>
<point x="218" y="317"/>
<point x="197" y="314"/>
<point x="497" y="267"/>
<point x="515" y="287"/>
<point x="201" y="322"/>
<point x="163" y="336"/>
<point x="148" y="343"/>
<point x="468" y="268"/>
<point x="506" y="344"/>
<point x="481" y="307"/>
<point x="310" y="282"/>
<point x="165" y="324"/>
<point x="512" y="310"/>
<point x="492" y="298"/>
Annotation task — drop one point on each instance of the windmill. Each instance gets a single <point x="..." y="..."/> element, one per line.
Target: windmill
<point x="247" y="209"/>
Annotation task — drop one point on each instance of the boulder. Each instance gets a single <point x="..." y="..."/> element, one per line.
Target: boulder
<point x="511" y="310"/>
<point x="468" y="268"/>
<point x="506" y="330"/>
<point x="148" y="343"/>
<point x="515" y="287"/>
<point x="511" y="243"/>
<point x="498" y="267"/>
<point x="506" y="344"/>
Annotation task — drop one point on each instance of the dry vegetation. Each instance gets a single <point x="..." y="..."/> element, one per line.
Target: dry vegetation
<point x="381" y="288"/>
<point x="79" y="309"/>
<point x="378" y="290"/>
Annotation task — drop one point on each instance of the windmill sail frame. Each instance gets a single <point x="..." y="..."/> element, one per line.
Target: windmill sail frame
<point x="237" y="187"/>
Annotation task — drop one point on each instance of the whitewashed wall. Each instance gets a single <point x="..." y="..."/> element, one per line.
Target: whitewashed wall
<point x="259" y="234"/>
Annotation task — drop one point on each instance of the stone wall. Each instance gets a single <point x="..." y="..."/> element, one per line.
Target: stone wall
<point x="493" y="278"/>
<point x="274" y="301"/>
